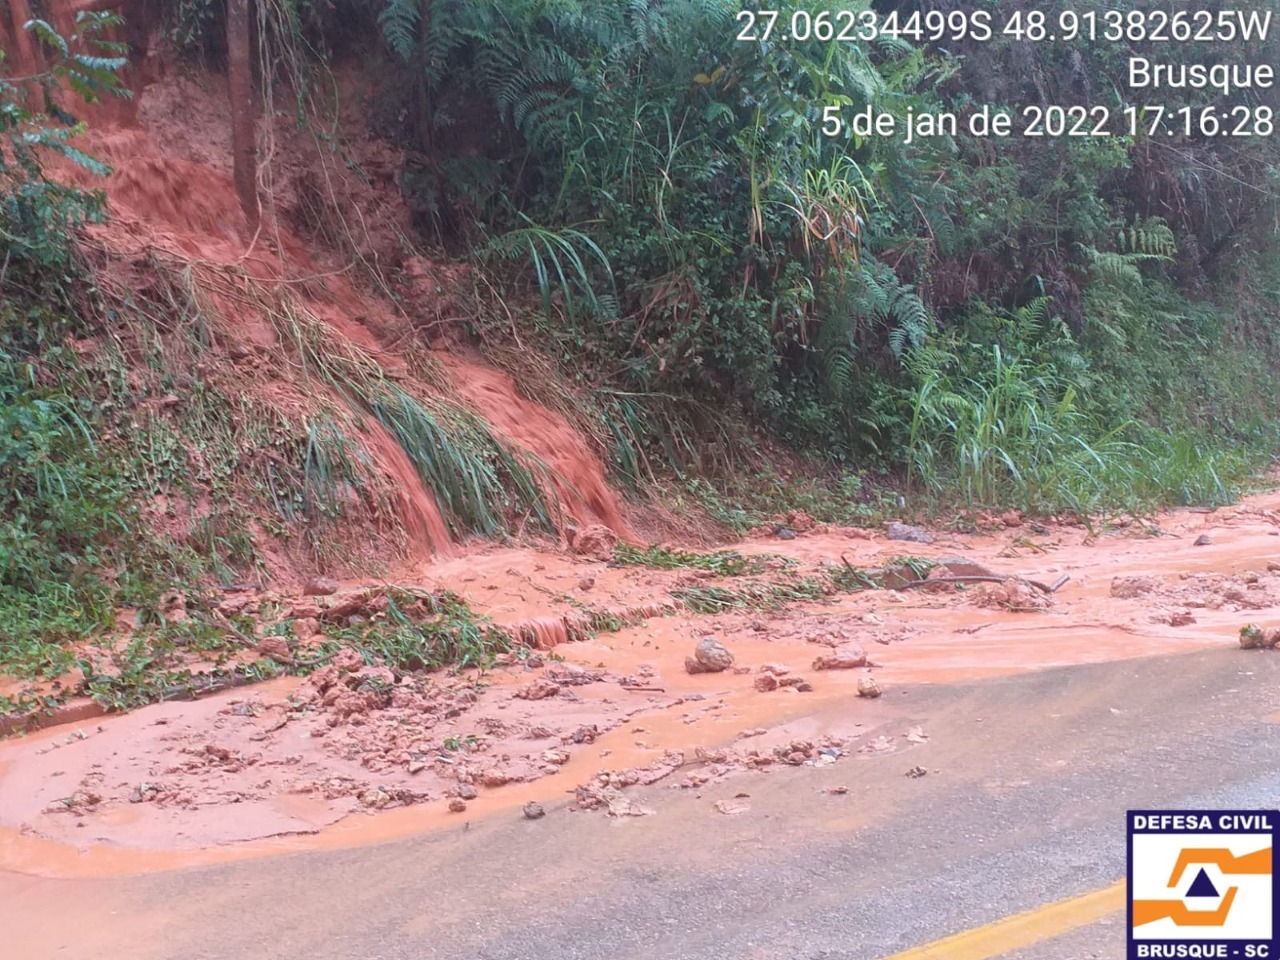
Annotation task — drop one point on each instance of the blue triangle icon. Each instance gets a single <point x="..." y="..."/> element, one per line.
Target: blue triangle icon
<point x="1202" y="886"/>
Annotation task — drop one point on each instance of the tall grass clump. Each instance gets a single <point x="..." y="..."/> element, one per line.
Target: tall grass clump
<point x="480" y="483"/>
<point x="1004" y="430"/>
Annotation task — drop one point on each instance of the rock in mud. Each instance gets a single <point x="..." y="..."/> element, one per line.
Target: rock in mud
<point x="710" y="656"/>
<point x="457" y="806"/>
<point x="915" y="773"/>
<point x="1254" y="637"/>
<point x="538" y="690"/>
<point x="305" y="610"/>
<point x="572" y="675"/>
<point x="595" y="541"/>
<point x="466" y="791"/>
<point x="275" y="648"/>
<point x="495" y="778"/>
<point x="305" y="628"/>
<point x="1126" y="588"/>
<point x="961" y="567"/>
<point x="1202" y="541"/>
<point x="785" y="533"/>
<point x="1182" y="618"/>
<point x="867" y="687"/>
<point x="344" y="607"/>
<point x="905" y="531"/>
<point x="533" y="811"/>
<point x="850" y="656"/>
<point x="766" y="682"/>
<point x="1018" y="595"/>
<point x="235" y="606"/>
<point x="586" y="583"/>
<point x="320" y="587"/>
<point x="797" y="684"/>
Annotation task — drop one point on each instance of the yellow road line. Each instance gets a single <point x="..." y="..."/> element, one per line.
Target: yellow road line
<point x="1023" y="929"/>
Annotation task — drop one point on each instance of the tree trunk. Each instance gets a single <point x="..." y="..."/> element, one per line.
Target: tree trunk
<point x="240" y="88"/>
<point x="28" y="59"/>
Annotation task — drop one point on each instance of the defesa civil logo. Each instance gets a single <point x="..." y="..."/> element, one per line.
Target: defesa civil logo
<point x="1202" y="884"/>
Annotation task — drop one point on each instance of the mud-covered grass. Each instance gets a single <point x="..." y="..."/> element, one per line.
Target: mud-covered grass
<point x="185" y="647"/>
<point x="777" y="594"/>
<point x="406" y="629"/>
<point x="722" y="563"/>
<point x="419" y="630"/>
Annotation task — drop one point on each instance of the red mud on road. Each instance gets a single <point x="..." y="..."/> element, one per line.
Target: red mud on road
<point x="354" y="754"/>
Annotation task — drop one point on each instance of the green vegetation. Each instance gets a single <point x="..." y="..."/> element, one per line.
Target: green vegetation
<point x="692" y="242"/>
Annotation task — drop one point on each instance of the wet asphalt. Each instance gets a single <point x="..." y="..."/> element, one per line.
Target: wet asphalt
<point x="1024" y="802"/>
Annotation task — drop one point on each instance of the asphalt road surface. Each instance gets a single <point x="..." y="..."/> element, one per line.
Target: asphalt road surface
<point x="1011" y="846"/>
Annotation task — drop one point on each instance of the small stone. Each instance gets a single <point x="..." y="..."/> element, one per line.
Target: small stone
<point x="305" y="628"/>
<point x="711" y="655"/>
<point x="376" y="798"/>
<point x="1126" y="588"/>
<point x="1253" y="637"/>
<point x="1011" y="518"/>
<point x="1274" y="566"/>
<point x="466" y="791"/>
<point x="235" y="606"/>
<point x="867" y="687"/>
<point x="275" y="648"/>
<point x="586" y="583"/>
<point x="538" y="690"/>
<point x="1181" y="619"/>
<point x="915" y="773"/>
<point x="533" y="811"/>
<point x="837" y="791"/>
<point x="417" y="766"/>
<point x="595" y="541"/>
<point x="766" y="682"/>
<point x="1202" y="540"/>
<point x="320" y="587"/>
<point x="306" y="610"/>
<point x="849" y="656"/>
<point x="904" y="531"/>
<point x="457" y="806"/>
<point x="785" y="533"/>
